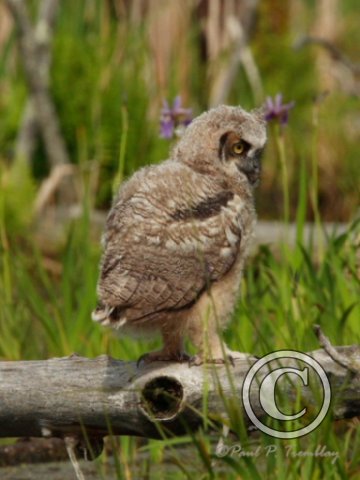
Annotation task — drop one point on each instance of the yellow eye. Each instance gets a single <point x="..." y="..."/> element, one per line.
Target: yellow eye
<point x="238" y="148"/>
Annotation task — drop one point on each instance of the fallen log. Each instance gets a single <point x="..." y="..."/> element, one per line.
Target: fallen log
<point x="90" y="398"/>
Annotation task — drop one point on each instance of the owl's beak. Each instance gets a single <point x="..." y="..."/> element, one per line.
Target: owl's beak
<point x="251" y="167"/>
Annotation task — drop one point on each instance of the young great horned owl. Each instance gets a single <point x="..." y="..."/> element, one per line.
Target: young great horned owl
<point x="177" y="236"/>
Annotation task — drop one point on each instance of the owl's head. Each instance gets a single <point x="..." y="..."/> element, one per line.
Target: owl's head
<point x="226" y="139"/>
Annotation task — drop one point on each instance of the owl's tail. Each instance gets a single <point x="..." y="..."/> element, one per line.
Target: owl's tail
<point x="108" y="316"/>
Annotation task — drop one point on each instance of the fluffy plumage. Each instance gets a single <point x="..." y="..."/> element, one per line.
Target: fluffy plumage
<point x="178" y="233"/>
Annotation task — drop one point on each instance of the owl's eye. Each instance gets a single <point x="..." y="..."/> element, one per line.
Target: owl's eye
<point x="238" y="148"/>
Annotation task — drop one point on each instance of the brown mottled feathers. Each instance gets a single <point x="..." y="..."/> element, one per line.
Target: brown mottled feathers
<point x="161" y="255"/>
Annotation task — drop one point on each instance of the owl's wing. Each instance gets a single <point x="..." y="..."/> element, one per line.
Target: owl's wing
<point x="161" y="257"/>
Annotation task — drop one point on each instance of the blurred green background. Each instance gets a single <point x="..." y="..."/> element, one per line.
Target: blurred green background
<point x="114" y="61"/>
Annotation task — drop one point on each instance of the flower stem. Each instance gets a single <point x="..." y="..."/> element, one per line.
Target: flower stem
<point x="280" y="143"/>
<point x="123" y="143"/>
<point x="314" y="189"/>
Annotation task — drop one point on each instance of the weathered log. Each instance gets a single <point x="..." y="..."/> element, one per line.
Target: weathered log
<point x="67" y="396"/>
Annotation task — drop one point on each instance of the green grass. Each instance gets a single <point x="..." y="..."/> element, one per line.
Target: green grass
<point x="103" y="82"/>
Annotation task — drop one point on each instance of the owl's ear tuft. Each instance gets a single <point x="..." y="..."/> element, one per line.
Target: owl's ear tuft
<point x="260" y="112"/>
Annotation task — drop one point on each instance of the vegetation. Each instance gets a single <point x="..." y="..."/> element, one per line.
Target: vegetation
<point x="108" y="91"/>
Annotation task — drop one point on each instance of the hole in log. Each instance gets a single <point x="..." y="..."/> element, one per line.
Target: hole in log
<point x="162" y="398"/>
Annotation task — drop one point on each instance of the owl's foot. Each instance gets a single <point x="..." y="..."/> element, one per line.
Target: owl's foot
<point x="163" y="356"/>
<point x="230" y="356"/>
<point x="198" y="360"/>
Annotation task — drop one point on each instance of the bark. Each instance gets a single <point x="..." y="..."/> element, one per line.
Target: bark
<point x="64" y="397"/>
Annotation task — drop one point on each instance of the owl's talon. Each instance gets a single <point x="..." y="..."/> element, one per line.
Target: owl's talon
<point x="198" y="360"/>
<point x="150" y="357"/>
<point x="183" y="357"/>
<point x="140" y="359"/>
<point x="195" y="361"/>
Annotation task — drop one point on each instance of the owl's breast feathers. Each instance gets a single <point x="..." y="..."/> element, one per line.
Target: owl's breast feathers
<point x="170" y="234"/>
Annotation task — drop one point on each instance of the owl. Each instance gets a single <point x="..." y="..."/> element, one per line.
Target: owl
<point x="177" y="237"/>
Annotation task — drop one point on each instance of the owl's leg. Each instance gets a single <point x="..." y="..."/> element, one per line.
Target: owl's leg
<point x="210" y="348"/>
<point x="214" y="350"/>
<point x="172" y="351"/>
<point x="205" y="336"/>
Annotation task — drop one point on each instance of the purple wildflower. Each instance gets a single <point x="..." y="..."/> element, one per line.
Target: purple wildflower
<point x="175" y="119"/>
<point x="276" y="110"/>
